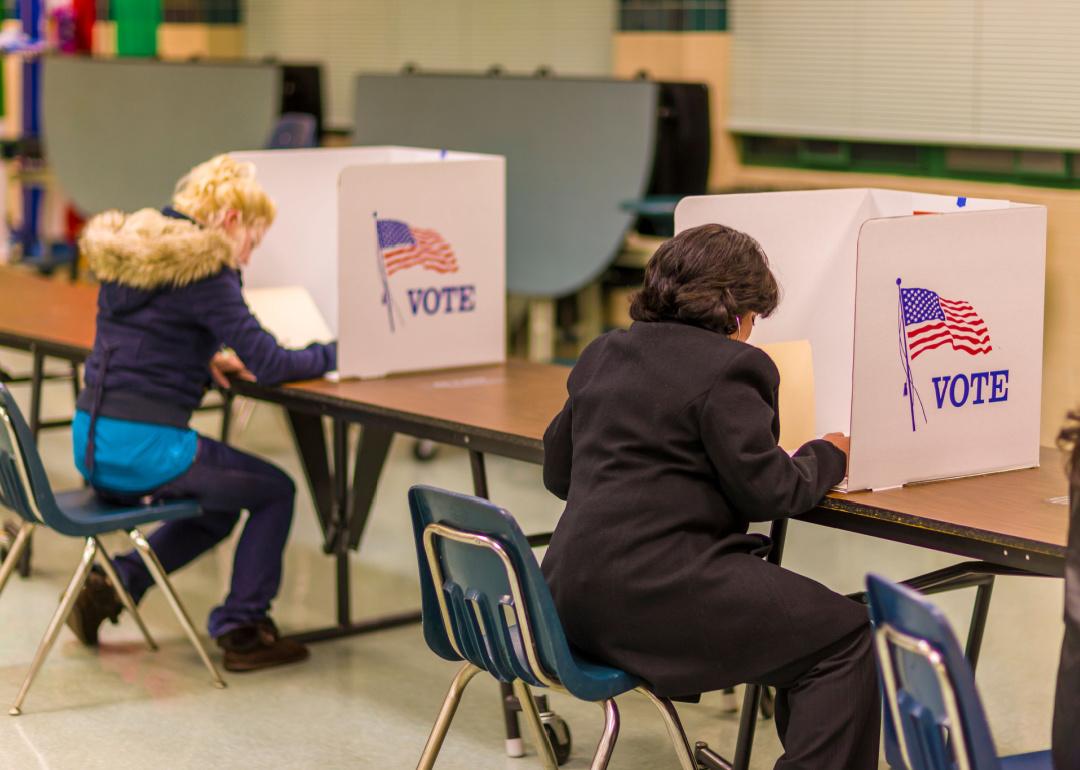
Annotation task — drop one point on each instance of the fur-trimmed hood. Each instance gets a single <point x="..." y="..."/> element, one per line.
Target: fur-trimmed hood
<point x="149" y="250"/>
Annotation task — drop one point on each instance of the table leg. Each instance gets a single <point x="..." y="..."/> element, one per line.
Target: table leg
<point x="37" y="379"/>
<point x="978" y="621"/>
<point x="310" y="438"/>
<point x="76" y="386"/>
<point x="370" y="459"/>
<point x="337" y="502"/>
<point x="338" y="524"/>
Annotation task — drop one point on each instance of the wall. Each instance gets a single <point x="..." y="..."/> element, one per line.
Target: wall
<point x="572" y="37"/>
<point x="691" y="56"/>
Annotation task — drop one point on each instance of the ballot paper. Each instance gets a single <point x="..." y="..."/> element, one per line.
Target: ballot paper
<point x="795" y="362"/>
<point x="290" y="314"/>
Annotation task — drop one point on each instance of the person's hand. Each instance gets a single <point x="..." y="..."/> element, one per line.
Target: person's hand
<point x="227" y="363"/>
<point x="840" y="441"/>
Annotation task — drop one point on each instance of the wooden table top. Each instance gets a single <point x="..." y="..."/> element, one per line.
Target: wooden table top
<point x="1026" y="509"/>
<point x="511" y="403"/>
<point x="50" y="312"/>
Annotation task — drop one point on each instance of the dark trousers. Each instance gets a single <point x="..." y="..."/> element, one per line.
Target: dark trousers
<point x="828" y="710"/>
<point x="225" y="481"/>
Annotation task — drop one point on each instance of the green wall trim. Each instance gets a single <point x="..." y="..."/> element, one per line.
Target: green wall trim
<point x="897" y="158"/>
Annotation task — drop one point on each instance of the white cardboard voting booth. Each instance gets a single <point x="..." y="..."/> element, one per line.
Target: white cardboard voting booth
<point x="925" y="316"/>
<point x="402" y="249"/>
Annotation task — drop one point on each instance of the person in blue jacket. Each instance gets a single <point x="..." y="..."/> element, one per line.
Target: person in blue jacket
<point x="171" y="317"/>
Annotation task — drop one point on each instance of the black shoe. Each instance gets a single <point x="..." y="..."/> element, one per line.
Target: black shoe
<point x="96" y="603"/>
<point x="258" y="646"/>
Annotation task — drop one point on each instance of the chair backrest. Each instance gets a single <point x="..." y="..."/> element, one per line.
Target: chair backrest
<point x="933" y="715"/>
<point x="294" y="131"/>
<point x="24" y="486"/>
<point x="484" y="597"/>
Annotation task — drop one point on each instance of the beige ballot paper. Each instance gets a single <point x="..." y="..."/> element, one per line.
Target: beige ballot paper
<point x="796" y="364"/>
<point x="290" y="314"/>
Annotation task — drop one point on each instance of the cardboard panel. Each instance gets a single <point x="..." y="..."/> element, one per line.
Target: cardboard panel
<point x="301" y="248"/>
<point x="810" y="239"/>
<point x="838" y="255"/>
<point x="947" y="380"/>
<point x="422" y="266"/>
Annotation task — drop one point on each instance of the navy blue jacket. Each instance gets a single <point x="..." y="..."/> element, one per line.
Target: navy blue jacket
<point x="156" y="332"/>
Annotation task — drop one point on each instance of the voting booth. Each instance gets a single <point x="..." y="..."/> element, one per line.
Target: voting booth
<point x="402" y="249"/>
<point x="925" y="318"/>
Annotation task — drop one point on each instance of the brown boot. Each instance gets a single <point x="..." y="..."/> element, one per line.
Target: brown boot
<point x="258" y="646"/>
<point x="96" y="603"/>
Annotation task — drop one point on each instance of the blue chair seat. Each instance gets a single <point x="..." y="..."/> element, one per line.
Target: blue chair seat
<point x="583" y="678"/>
<point x="89" y="515"/>
<point x="1036" y="760"/>
<point x="594" y="681"/>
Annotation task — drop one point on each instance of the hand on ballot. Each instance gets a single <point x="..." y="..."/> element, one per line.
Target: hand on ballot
<point x="226" y="363"/>
<point x="840" y="441"/>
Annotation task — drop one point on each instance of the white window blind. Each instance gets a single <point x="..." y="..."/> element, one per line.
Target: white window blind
<point x="572" y="37"/>
<point x="990" y="72"/>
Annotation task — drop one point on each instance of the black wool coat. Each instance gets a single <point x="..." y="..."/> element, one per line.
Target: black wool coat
<point x="665" y="452"/>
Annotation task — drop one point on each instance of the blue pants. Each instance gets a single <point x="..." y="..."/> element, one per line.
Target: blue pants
<point x="225" y="481"/>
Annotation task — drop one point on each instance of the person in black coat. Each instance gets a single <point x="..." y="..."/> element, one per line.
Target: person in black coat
<point x="1067" y="700"/>
<point x="665" y="452"/>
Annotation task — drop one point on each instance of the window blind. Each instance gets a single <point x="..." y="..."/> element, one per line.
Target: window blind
<point x="989" y="72"/>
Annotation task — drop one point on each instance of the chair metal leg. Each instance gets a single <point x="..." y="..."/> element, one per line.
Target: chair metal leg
<point x="446" y="715"/>
<point x="67" y="601"/>
<point x="674" y="728"/>
<point x="22" y="539"/>
<point x="536" y="727"/>
<point x="158" y="573"/>
<point x="606" y="745"/>
<point x="125" y="598"/>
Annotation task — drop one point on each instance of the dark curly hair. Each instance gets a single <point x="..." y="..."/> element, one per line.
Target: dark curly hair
<point x="1069" y="441"/>
<point x="707" y="276"/>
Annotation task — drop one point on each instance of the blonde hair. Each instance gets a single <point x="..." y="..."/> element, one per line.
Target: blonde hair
<point x="222" y="183"/>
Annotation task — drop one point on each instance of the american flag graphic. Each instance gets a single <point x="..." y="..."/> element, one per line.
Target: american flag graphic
<point x="403" y="247"/>
<point x="932" y="321"/>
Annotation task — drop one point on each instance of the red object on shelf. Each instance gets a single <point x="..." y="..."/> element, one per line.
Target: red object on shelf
<point x="73" y="224"/>
<point x="85" y="16"/>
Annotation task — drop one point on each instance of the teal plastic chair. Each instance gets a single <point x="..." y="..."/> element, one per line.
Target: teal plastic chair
<point x="25" y="489"/>
<point x="485" y="602"/>
<point x="934" y="718"/>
